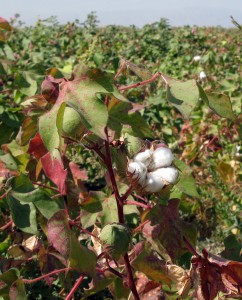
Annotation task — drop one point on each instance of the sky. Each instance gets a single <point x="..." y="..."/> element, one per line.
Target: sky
<point x="128" y="12"/>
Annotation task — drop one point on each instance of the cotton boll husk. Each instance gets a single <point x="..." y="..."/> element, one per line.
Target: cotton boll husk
<point x="162" y="157"/>
<point x="153" y="184"/>
<point x="144" y="157"/>
<point x="138" y="170"/>
<point x="168" y="175"/>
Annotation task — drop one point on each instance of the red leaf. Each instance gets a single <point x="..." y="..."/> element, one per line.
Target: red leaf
<point x="54" y="169"/>
<point x="59" y="232"/>
<point x="78" y="175"/>
<point x="36" y="147"/>
<point x="50" y="88"/>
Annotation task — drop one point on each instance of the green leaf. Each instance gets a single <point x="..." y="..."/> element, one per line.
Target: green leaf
<point x="110" y="211"/>
<point x="91" y="206"/>
<point x="182" y="95"/>
<point x="10" y="276"/>
<point x="233" y="248"/>
<point x="23" y="214"/>
<point x="50" y="126"/>
<point x="26" y="83"/>
<point x="9" y="161"/>
<point x="139" y="126"/>
<point x="4" y="245"/>
<point x="148" y="263"/>
<point x="219" y="103"/>
<point x="134" y="144"/>
<point x="186" y="183"/>
<point x="120" y="291"/>
<point x="40" y="199"/>
<point x="82" y="259"/>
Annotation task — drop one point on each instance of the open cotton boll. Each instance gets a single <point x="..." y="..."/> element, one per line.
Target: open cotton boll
<point x="169" y="175"/>
<point x="162" y="157"/>
<point x="138" y="170"/>
<point x="153" y="184"/>
<point x="144" y="157"/>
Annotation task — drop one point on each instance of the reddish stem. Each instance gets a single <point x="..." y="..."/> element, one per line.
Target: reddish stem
<point x="82" y="229"/>
<point x="138" y="204"/>
<point x="119" y="200"/>
<point x="113" y="180"/>
<point x="120" y="70"/>
<point x="124" y="88"/>
<point x="141" y="198"/>
<point x="5" y="194"/>
<point x="131" y="281"/>
<point x="127" y="193"/>
<point x="75" y="287"/>
<point x="29" y="281"/>
<point x="6" y="225"/>
<point x="190" y="247"/>
<point x="141" y="225"/>
<point x="46" y="186"/>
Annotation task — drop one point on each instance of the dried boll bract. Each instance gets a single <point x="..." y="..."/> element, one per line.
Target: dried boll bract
<point x="137" y="171"/>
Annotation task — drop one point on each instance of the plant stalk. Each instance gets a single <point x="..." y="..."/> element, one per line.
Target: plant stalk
<point x="75" y="287"/>
<point x="119" y="200"/>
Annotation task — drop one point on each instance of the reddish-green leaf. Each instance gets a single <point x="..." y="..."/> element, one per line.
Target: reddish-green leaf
<point x="50" y="88"/>
<point x="167" y="230"/>
<point x="59" y="232"/>
<point x="150" y="264"/>
<point x="54" y="169"/>
<point x="63" y="240"/>
<point x="17" y="290"/>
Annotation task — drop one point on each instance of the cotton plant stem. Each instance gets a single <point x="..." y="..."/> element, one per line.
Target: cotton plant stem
<point x="4" y="227"/>
<point x="29" y="281"/>
<point x="75" y="287"/>
<point x="129" y="202"/>
<point x="141" y="225"/>
<point x="131" y="281"/>
<point x="141" y="83"/>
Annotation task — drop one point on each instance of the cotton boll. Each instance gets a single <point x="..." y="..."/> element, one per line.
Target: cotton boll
<point x="202" y="75"/>
<point x="144" y="157"/>
<point x="162" y="157"/>
<point x="137" y="170"/>
<point x="168" y="175"/>
<point x="197" y="58"/>
<point x="153" y="184"/>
